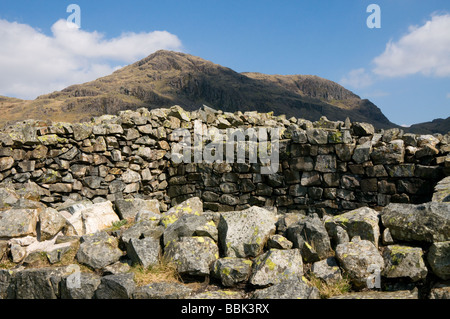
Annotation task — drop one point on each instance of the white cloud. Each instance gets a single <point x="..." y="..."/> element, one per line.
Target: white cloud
<point x="357" y="79"/>
<point x="32" y="63"/>
<point x="448" y="95"/>
<point x="424" y="50"/>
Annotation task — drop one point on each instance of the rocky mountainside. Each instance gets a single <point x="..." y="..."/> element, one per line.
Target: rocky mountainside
<point x="168" y="78"/>
<point x="436" y="126"/>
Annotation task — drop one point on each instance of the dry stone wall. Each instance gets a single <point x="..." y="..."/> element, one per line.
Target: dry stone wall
<point x="324" y="166"/>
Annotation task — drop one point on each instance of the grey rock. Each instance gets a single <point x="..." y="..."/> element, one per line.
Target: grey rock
<point x="51" y="223"/>
<point x="404" y="262"/>
<point x="391" y="153"/>
<point x="88" y="284"/>
<point x="440" y="290"/>
<point x="142" y="229"/>
<point x="441" y="191"/>
<point x="289" y="289"/>
<point x="189" y="226"/>
<point x="363" y="129"/>
<point x="232" y="271"/>
<point x="311" y="237"/>
<point x="357" y="258"/>
<point x="144" y="251"/>
<point x="192" y="205"/>
<point x="276" y="266"/>
<point x="129" y="208"/>
<point x="120" y="286"/>
<point x="244" y="233"/>
<point x="192" y="255"/>
<point x="18" y="223"/>
<point x="162" y="290"/>
<point x="439" y="259"/>
<point x="406" y="221"/>
<point x="362" y="222"/>
<point x="279" y="242"/>
<point x="328" y="270"/>
<point x="42" y="283"/>
<point x="98" y="250"/>
<point x="362" y="152"/>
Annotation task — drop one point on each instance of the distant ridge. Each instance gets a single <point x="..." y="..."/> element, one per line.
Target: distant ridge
<point x="167" y="78"/>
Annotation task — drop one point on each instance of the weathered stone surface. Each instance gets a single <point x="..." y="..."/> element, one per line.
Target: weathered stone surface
<point x="244" y="233"/>
<point x="121" y="286"/>
<point x="439" y="259"/>
<point x="404" y="261"/>
<point x="6" y="163"/>
<point x="232" y="271"/>
<point x="192" y="255"/>
<point x="311" y="237"/>
<point x="88" y="284"/>
<point x="328" y="270"/>
<point x="326" y="163"/>
<point x="144" y="251"/>
<point x="357" y="258"/>
<point x="8" y="198"/>
<point x="279" y="242"/>
<point x="129" y="208"/>
<point x="289" y="289"/>
<point x="362" y="152"/>
<point x="193" y="206"/>
<point x="162" y="290"/>
<point x="189" y="226"/>
<point x="429" y="222"/>
<point x="18" y="222"/>
<point x="440" y="290"/>
<point x="42" y="283"/>
<point x="142" y="229"/>
<point x="98" y="217"/>
<point x="390" y="153"/>
<point x="51" y="223"/>
<point x="276" y="266"/>
<point x="363" y="129"/>
<point x="442" y="191"/>
<point x="98" y="250"/>
<point x="362" y="222"/>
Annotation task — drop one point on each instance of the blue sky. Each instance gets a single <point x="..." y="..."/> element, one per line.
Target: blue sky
<point x="403" y="67"/>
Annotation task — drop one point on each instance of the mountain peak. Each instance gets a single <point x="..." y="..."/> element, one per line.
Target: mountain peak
<point x="166" y="78"/>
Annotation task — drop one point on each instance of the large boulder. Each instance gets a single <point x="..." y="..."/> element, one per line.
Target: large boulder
<point x="310" y="236"/>
<point x="429" y="222"/>
<point x="85" y="288"/>
<point x="360" y="259"/>
<point x="244" y="233"/>
<point x="144" y="251"/>
<point x="83" y="218"/>
<point x="51" y="223"/>
<point x="192" y="255"/>
<point x="98" y="250"/>
<point x="189" y="226"/>
<point x="232" y="271"/>
<point x="18" y="223"/>
<point x="362" y="222"/>
<point x="404" y="262"/>
<point x="41" y="283"/>
<point x="192" y="206"/>
<point x="129" y="208"/>
<point x="439" y="259"/>
<point x="120" y="286"/>
<point x="276" y="266"/>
